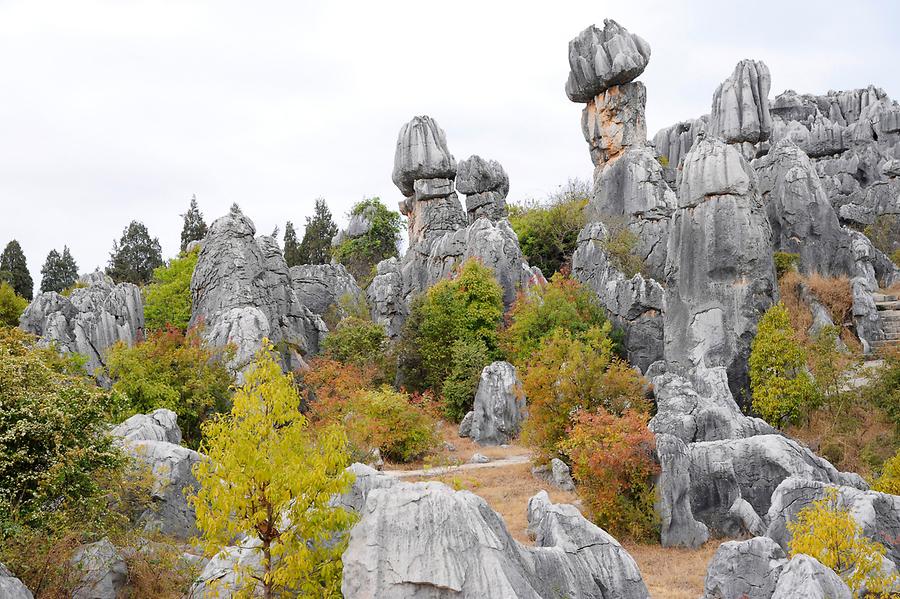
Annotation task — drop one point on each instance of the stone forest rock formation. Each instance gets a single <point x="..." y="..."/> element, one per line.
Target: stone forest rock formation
<point x="499" y="407"/>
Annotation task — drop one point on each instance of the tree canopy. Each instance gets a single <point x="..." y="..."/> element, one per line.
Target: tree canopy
<point x="59" y="271"/>
<point x="14" y="270"/>
<point x="194" y="228"/>
<point x="315" y="248"/>
<point x="135" y="255"/>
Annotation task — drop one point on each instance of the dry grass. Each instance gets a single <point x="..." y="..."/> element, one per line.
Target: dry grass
<point x="673" y="573"/>
<point x="835" y="293"/>
<point x="790" y="286"/>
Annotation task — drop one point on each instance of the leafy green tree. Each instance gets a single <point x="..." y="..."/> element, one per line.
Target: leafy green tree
<point x="134" y="256"/>
<point x="59" y="271"/>
<point x="14" y="270"/>
<point x="171" y="370"/>
<point x="194" y="228"/>
<point x="361" y="254"/>
<point x="167" y="300"/>
<point x="782" y="389"/>
<point x="291" y="247"/>
<point x="467" y="361"/>
<point x="320" y="228"/>
<point x="11" y="305"/>
<point x="270" y="476"/>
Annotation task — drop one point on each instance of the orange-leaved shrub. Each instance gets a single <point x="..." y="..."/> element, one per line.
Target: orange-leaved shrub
<point x="612" y="458"/>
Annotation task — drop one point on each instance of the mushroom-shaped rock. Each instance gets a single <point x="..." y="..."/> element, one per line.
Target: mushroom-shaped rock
<point x="485" y="184"/>
<point x="747" y="569"/>
<point x="499" y="407"/>
<point x="601" y="58"/>
<point x="740" y="107"/>
<point x="421" y="154"/>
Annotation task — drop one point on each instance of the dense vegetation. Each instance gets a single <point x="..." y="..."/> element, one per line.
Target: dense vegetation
<point x="14" y="270"/>
<point x="134" y="256"/>
<point x="194" y="227"/>
<point x="11" y="305"/>
<point x="59" y="271"/>
<point x="361" y="254"/>
<point x="167" y="299"/>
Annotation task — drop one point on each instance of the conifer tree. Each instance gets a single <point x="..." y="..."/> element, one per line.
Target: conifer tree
<point x="14" y="270"/>
<point x="135" y="255"/>
<point x="320" y="228"/>
<point x="59" y="271"/>
<point x="194" y="228"/>
<point x="291" y="247"/>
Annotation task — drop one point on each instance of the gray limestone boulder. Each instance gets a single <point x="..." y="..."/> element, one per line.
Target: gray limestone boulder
<point x="740" y="107"/>
<point x="425" y="540"/>
<point x="358" y="225"/>
<point x="221" y="576"/>
<point x="321" y="287"/>
<point x="613" y="122"/>
<point x="891" y="168"/>
<point x="90" y="320"/>
<point x="720" y="273"/>
<point x="11" y="587"/>
<point x="366" y="479"/>
<point x="158" y="425"/>
<point x="557" y="473"/>
<point x="465" y="425"/>
<point x="602" y="58"/>
<point x="678" y="527"/>
<point x="744" y="570"/>
<point x="803" y="221"/>
<point x="485" y="184"/>
<point x="672" y="144"/>
<point x="804" y="577"/>
<point x="635" y="304"/>
<point x="499" y="407"/>
<point x="242" y="292"/>
<point x="101" y="571"/>
<point x="877" y="514"/>
<point x="386" y="299"/>
<point x="421" y="154"/>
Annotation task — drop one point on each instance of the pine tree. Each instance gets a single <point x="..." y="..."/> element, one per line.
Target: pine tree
<point x="59" y="271"/>
<point x="134" y="256"/>
<point x="194" y="228"/>
<point x="14" y="270"/>
<point x="291" y="247"/>
<point x="320" y="228"/>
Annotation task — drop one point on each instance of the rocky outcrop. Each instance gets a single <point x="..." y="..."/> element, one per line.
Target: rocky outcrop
<point x="90" y="320"/>
<point x="223" y="575"/>
<point x="241" y="291"/>
<point x="674" y="142"/>
<point x="11" y="587"/>
<point x="744" y="569"/>
<point x="426" y="540"/>
<point x="485" y="184"/>
<point x="678" y="527"/>
<point x="720" y="275"/>
<point x="557" y="473"/>
<point x="359" y="224"/>
<point x="877" y="514"/>
<point x="804" y="577"/>
<point x="602" y="58"/>
<point x="321" y="287"/>
<point x="634" y="304"/>
<point x="499" y="407"/>
<point x="740" y="106"/>
<point x="152" y="440"/>
<point x="421" y="154"/>
<point x="101" y="571"/>
<point x="387" y="303"/>
<point x="613" y="122"/>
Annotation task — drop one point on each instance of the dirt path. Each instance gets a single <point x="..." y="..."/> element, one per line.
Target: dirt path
<point x="442" y="470"/>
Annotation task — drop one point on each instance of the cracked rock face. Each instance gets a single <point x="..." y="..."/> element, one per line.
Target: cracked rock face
<point x="421" y="154"/>
<point x="90" y="321"/>
<point x="720" y="274"/>
<point x="499" y="405"/>
<point x="102" y="571"/>
<point x="242" y="292"/>
<point x="485" y="184"/>
<point x="740" y="106"/>
<point x="602" y="58"/>
<point x="613" y="122"/>
<point x="748" y="569"/>
<point x="804" y="577"/>
<point x="158" y="425"/>
<point x="678" y="527"/>
<point x="674" y="142"/>
<point x="323" y="286"/>
<point x="424" y="540"/>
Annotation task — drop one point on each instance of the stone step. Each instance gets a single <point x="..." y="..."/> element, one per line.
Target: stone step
<point x="889" y="316"/>
<point x="884" y="297"/>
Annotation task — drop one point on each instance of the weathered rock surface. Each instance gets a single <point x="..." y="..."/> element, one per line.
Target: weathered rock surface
<point x="602" y="58"/>
<point x="740" y="106"/>
<point x="241" y="290"/>
<point x="878" y="514"/>
<point x="720" y="274"/>
<point x="678" y="527"/>
<point x="358" y="225"/>
<point x="613" y="122"/>
<point x="556" y="473"/>
<point x="421" y="154"/>
<point x="321" y="287"/>
<point x="11" y="587"/>
<point x="220" y="576"/>
<point x="804" y="577"/>
<point x="744" y="569"/>
<point x="499" y="407"/>
<point x="635" y="304"/>
<point x="151" y="440"/>
<point x="387" y="302"/>
<point x="674" y="142"/>
<point x="425" y="540"/>
<point x="101" y="571"/>
<point x="90" y="320"/>
<point x="485" y="184"/>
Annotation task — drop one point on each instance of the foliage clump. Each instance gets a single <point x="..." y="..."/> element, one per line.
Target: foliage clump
<point x="167" y="299"/>
<point x="315" y="248"/>
<point x="11" y="305"/>
<point x="827" y="531"/>
<point x="171" y="370"/>
<point x="14" y="270"/>
<point x="59" y="271"/>
<point x="381" y="241"/>
<point x="786" y="262"/>
<point x="621" y="245"/>
<point x="270" y="476"/>
<point x="889" y="481"/>
<point x="357" y="340"/>
<point x="134" y="256"/>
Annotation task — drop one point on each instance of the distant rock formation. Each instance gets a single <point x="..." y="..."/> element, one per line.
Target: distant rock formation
<point x="499" y="407"/>
<point x="90" y="320"/>
<point x="740" y="107"/>
<point x="321" y="287"/>
<point x="242" y="292"/>
<point x="485" y="184"/>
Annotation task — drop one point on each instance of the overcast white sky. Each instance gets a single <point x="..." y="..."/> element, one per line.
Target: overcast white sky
<point x="119" y="110"/>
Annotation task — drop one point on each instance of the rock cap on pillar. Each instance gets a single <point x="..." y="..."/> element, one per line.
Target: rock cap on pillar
<point x="602" y="58"/>
<point x="421" y="154"/>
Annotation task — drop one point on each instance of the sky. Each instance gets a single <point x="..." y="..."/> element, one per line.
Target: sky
<point x="122" y="110"/>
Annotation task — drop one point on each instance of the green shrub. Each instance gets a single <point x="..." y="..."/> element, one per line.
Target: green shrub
<point x="885" y="233"/>
<point x="563" y="303"/>
<point x="895" y="257"/>
<point x="468" y="360"/>
<point x="466" y="308"/>
<point x="782" y="390"/>
<point x="11" y="305"/>
<point x="548" y="232"/>
<point x="360" y="341"/>
<point x="620" y="244"/>
<point x="361" y="254"/>
<point x="167" y="300"/>
<point x="785" y="262"/>
<point x="171" y="370"/>
<point x="386" y="419"/>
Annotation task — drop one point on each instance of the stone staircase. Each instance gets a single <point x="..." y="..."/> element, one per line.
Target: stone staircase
<point x="889" y="312"/>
